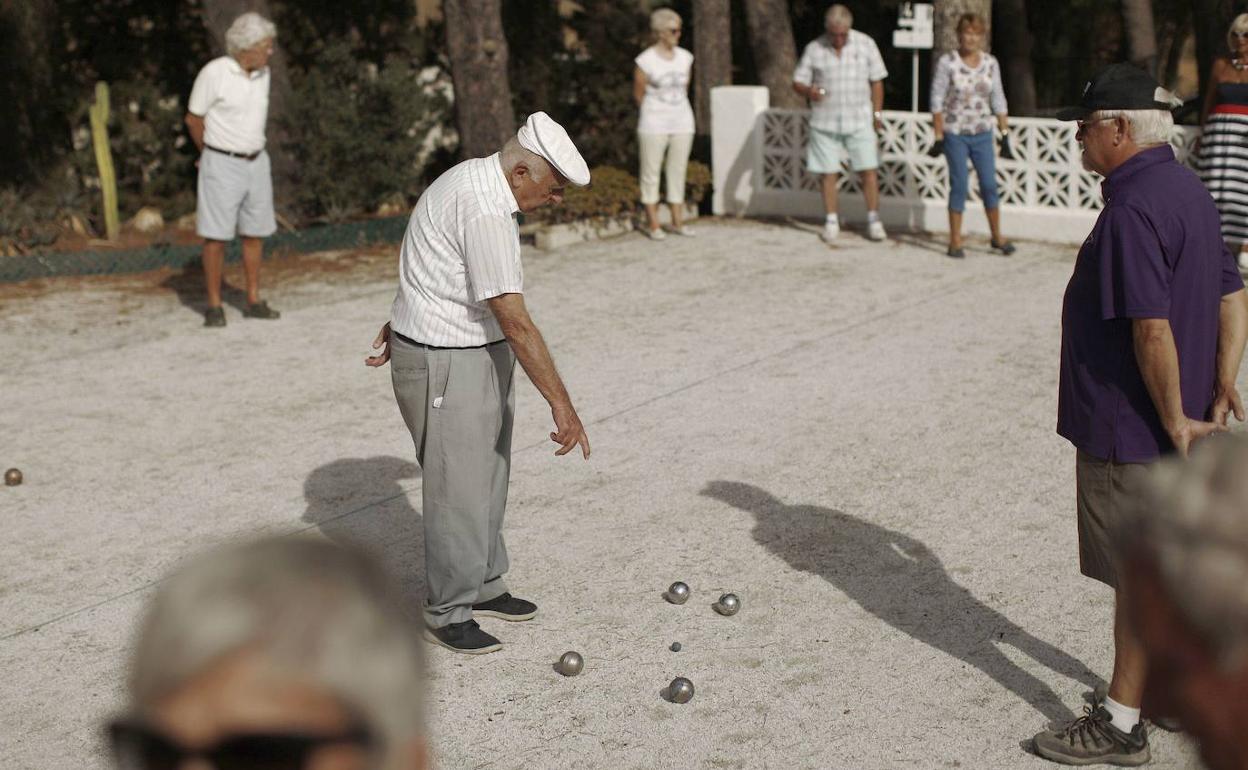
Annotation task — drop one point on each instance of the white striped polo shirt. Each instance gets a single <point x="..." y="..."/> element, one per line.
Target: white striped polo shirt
<point x="462" y="247"/>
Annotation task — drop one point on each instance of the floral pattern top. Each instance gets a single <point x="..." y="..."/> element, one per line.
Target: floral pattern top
<point x="968" y="96"/>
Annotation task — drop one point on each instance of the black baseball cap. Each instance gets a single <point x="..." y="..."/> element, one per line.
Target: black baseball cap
<point x="1120" y="87"/>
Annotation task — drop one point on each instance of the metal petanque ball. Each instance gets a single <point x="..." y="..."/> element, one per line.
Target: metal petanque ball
<point x="12" y="477"/>
<point x="570" y="663"/>
<point x="728" y="604"/>
<point x="675" y="647"/>
<point x="680" y="690"/>
<point x="677" y="593"/>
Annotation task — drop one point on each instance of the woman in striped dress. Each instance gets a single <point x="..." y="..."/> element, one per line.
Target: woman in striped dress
<point x="1224" y="138"/>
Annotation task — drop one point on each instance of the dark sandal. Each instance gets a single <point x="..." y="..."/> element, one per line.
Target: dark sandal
<point x="958" y="253"/>
<point x="261" y="309"/>
<point x="1005" y="247"/>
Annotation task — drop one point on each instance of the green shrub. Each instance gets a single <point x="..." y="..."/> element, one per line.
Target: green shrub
<point x="362" y="134"/>
<point x="697" y="182"/>
<point x="611" y="193"/>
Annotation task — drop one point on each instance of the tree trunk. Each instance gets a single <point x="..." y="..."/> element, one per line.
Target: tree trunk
<point x="1137" y="18"/>
<point x="945" y="23"/>
<point x="775" y="57"/>
<point x="1015" y="49"/>
<point x="218" y="16"/>
<point x="478" y="52"/>
<point x="27" y="29"/>
<point x="712" y="55"/>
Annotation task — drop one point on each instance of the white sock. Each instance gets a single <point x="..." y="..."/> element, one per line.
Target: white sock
<point x="873" y="216"/>
<point x="831" y="219"/>
<point x="1123" y="718"/>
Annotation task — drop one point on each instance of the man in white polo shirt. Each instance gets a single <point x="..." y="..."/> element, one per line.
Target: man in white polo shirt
<point x="456" y="329"/>
<point x="226" y="114"/>
<point x="842" y="74"/>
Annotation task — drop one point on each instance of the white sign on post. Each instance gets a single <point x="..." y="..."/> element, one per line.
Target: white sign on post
<point x="915" y="22"/>
<point x="916" y="28"/>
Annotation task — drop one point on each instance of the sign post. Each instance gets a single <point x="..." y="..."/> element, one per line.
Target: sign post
<point x="915" y="30"/>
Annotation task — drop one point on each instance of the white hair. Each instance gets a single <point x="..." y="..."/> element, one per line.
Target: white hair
<point x="307" y="608"/>
<point x="1240" y="24"/>
<point x="513" y="154"/>
<point x="1147" y="127"/>
<point x="248" y="31"/>
<point x="1193" y="521"/>
<point x="838" y="16"/>
<point x="663" y="18"/>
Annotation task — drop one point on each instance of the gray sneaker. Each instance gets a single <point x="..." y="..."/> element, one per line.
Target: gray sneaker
<point x="1169" y="724"/>
<point x="1093" y="740"/>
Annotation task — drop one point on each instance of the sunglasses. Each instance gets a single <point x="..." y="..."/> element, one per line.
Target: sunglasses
<point x="1082" y="125"/>
<point x="138" y="747"/>
<point x="1239" y="35"/>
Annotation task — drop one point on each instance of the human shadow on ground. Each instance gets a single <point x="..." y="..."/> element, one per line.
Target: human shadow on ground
<point x="900" y="581"/>
<point x="189" y="286"/>
<point x="361" y="502"/>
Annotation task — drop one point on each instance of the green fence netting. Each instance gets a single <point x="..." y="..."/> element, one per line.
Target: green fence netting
<point x="322" y="238"/>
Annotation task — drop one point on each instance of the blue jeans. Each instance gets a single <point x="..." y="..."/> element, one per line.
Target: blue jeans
<point x="977" y="148"/>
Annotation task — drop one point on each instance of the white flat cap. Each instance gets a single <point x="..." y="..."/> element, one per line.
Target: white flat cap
<point x="542" y="135"/>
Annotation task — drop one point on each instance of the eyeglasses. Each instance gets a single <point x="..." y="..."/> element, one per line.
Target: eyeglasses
<point x="1082" y="125"/>
<point x="673" y="30"/>
<point x="1239" y="35"/>
<point x="139" y="747"/>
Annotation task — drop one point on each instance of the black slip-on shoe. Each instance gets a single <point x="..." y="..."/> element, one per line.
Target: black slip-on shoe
<point x="1005" y="247"/>
<point x="956" y="253"/>
<point x="261" y="309"/>
<point x="466" y="637"/>
<point x="1093" y="740"/>
<point x="214" y="317"/>
<point x="506" y="607"/>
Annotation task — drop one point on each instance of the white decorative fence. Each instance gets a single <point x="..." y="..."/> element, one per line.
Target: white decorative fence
<point x="758" y="159"/>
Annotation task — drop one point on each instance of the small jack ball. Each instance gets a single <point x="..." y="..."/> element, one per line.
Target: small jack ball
<point x="675" y="646"/>
<point x="12" y="477"/>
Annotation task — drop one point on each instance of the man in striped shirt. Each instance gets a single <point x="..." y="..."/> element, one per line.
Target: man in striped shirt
<point x="458" y="325"/>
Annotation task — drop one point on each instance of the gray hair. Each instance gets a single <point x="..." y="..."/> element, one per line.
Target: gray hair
<point x="307" y="607"/>
<point x="1240" y="24"/>
<point x="247" y="32"/>
<point x="513" y="154"/>
<point x="838" y="16"/>
<point x="663" y="18"/>
<point x="1148" y="127"/>
<point x="1193" y="521"/>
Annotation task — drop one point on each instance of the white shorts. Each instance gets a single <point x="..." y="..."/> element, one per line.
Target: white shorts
<point x="234" y="196"/>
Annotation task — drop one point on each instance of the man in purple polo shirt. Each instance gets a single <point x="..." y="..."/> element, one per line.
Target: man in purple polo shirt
<point x="1153" y="329"/>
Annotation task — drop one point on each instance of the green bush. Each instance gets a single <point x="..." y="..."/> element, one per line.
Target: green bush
<point x="611" y="193"/>
<point x="153" y="157"/>
<point x="362" y="134"/>
<point x="697" y="182"/>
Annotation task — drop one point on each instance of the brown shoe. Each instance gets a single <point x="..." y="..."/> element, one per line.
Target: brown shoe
<point x="1093" y="740"/>
<point x="261" y="309"/>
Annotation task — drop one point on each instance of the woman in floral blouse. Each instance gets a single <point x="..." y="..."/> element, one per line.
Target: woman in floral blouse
<point x="966" y="98"/>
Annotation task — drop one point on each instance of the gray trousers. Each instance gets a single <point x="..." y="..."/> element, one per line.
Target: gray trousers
<point x="458" y="404"/>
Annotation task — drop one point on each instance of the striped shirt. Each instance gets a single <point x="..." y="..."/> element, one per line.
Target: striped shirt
<point x="845" y="77"/>
<point x="462" y="247"/>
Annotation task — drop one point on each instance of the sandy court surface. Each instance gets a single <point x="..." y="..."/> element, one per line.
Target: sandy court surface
<point x="858" y="441"/>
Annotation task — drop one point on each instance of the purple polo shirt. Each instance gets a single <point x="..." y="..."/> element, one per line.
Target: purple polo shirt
<point x="1156" y="251"/>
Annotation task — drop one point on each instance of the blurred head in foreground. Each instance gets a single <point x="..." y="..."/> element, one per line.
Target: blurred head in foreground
<point x="281" y="654"/>
<point x="1187" y="590"/>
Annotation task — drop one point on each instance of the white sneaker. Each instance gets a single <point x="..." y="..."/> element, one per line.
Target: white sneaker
<point x="656" y="235"/>
<point x="875" y="231"/>
<point x="1243" y="259"/>
<point x="831" y="231"/>
<point x="684" y="230"/>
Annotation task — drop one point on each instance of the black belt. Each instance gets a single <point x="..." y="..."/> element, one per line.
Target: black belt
<point x="242" y="155"/>
<point x="411" y="341"/>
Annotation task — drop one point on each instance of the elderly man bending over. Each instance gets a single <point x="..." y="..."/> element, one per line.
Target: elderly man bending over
<point x="457" y="327"/>
<point x="285" y="652"/>
<point x="226" y="115"/>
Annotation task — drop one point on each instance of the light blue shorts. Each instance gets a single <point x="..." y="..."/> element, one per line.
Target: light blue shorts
<point x="827" y="150"/>
<point x="234" y="196"/>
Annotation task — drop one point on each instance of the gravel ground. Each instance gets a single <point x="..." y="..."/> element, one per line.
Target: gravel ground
<point x="856" y="440"/>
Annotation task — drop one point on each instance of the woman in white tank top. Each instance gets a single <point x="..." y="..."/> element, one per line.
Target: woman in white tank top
<point x="665" y="126"/>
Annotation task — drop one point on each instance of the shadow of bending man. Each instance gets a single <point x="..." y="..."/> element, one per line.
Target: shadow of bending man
<point x="361" y="502"/>
<point x="900" y="581"/>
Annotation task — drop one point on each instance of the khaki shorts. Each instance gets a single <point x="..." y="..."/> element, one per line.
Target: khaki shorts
<point x="1107" y="493"/>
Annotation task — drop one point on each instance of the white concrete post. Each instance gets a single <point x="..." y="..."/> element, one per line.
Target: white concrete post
<point x="735" y="159"/>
